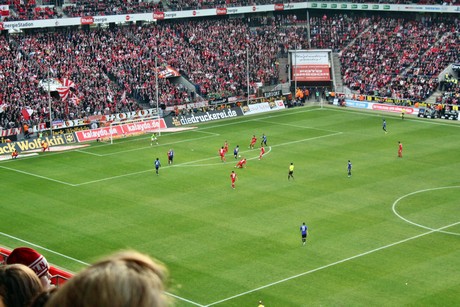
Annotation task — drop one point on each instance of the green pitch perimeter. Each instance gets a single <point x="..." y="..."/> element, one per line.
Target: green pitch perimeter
<point x="387" y="236"/>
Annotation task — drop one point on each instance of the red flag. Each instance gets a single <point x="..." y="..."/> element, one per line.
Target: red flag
<point x="26" y="113"/>
<point x="67" y="83"/>
<point x="63" y="92"/>
<point x="4" y="10"/>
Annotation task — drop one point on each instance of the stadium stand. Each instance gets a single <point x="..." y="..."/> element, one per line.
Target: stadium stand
<point x="29" y="10"/>
<point x="113" y="69"/>
<point x="400" y="58"/>
<point x="81" y="8"/>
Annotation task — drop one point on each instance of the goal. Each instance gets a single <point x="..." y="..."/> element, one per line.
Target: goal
<point x="133" y="127"/>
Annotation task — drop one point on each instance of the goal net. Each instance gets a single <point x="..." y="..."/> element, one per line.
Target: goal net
<point x="133" y="127"/>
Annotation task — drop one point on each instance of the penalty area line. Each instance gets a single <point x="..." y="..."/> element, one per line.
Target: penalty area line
<point x="333" y="264"/>
<point x="38" y="176"/>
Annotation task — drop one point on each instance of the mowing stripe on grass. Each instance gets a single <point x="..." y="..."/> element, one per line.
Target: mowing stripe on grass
<point x="265" y="286"/>
<point x="295" y="126"/>
<point x="332" y="264"/>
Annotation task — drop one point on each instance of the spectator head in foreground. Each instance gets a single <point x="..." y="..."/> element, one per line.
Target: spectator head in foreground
<point x="31" y="258"/>
<point x="126" y="278"/>
<point x="18" y="285"/>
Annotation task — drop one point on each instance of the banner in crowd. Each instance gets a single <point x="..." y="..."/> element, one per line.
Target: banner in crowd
<point x="52" y="84"/>
<point x="167" y="72"/>
<point x="202" y="117"/>
<point x="263" y="107"/>
<point x="34" y="144"/>
<point x="120" y="130"/>
<point x="11" y="131"/>
<point x="216" y="101"/>
<point x="72" y="129"/>
<point x="272" y="94"/>
<point x="4" y="10"/>
<point x="188" y="106"/>
<point x="380" y="107"/>
<point x="104" y="118"/>
<point x="310" y="65"/>
<point x="383" y="99"/>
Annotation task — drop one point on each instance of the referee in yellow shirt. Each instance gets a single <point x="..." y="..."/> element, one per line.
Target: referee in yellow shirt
<point x="291" y="171"/>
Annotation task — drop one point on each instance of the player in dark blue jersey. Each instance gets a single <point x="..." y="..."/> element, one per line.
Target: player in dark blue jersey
<point x="349" y="168"/>
<point x="384" y="125"/>
<point x="236" y="151"/>
<point x="264" y="140"/>
<point x="157" y="165"/>
<point x="304" y="233"/>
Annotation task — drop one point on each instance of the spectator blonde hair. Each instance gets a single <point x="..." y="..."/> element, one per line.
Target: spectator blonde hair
<point x="18" y="285"/>
<point x="124" y="279"/>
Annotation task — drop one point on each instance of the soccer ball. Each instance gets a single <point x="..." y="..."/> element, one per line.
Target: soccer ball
<point x="239" y="156"/>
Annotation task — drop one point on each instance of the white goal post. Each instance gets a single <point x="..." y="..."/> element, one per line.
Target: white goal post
<point x="132" y="127"/>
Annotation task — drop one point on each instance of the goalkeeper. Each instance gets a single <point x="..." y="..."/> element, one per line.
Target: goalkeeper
<point x="153" y="139"/>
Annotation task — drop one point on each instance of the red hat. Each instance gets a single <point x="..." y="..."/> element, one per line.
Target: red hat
<point x="30" y="258"/>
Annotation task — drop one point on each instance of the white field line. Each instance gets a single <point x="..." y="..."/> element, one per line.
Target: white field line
<point x="43" y="248"/>
<point x="393" y="207"/>
<point x="396" y="115"/>
<point x="192" y="163"/>
<point x="210" y="134"/>
<point x="111" y="178"/>
<point x="281" y="113"/>
<point x="332" y="264"/>
<point x="262" y="287"/>
<point x="81" y="262"/>
<point x="38" y="176"/>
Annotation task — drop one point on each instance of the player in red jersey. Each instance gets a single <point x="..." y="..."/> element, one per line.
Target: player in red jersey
<point x="233" y="178"/>
<point x="222" y="154"/>
<point x="45" y="146"/>
<point x="253" y="142"/>
<point x="400" y="147"/>
<point x="262" y="152"/>
<point x="226" y="146"/>
<point x="14" y="154"/>
<point x="241" y="163"/>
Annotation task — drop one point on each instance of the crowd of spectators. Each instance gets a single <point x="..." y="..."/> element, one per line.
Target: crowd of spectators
<point x="109" y="64"/>
<point x="80" y="8"/>
<point x="114" y="68"/>
<point x="29" y="10"/>
<point x="450" y="89"/>
<point x="401" y="58"/>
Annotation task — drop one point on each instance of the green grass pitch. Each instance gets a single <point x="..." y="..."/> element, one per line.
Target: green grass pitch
<point x="387" y="236"/>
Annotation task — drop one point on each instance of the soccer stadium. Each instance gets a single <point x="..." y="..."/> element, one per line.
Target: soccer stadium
<point x="229" y="153"/>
